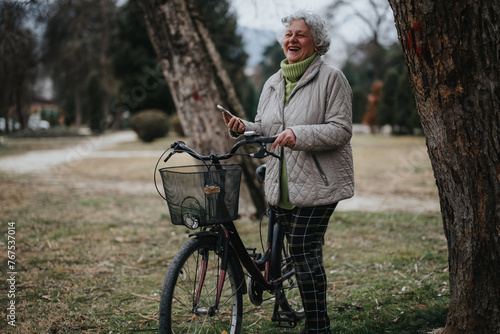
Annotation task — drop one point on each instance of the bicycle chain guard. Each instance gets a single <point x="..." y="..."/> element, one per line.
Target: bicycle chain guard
<point x="255" y="292"/>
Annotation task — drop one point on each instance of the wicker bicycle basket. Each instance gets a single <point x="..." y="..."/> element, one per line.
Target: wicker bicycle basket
<point x="201" y="195"/>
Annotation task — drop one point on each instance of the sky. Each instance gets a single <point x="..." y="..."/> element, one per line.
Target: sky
<point x="267" y="14"/>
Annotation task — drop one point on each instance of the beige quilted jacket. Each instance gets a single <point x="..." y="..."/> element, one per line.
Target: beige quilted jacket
<point x="320" y="166"/>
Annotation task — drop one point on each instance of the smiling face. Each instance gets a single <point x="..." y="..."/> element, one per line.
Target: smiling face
<point x="298" y="43"/>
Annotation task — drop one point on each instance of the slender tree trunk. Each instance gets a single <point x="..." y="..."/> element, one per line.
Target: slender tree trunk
<point x="19" y="100"/>
<point x="452" y="49"/>
<point x="108" y="83"/>
<point x="78" y="109"/>
<point x="197" y="80"/>
<point x="4" y="114"/>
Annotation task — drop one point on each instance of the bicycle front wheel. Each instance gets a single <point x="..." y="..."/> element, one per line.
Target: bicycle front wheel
<point x="189" y="292"/>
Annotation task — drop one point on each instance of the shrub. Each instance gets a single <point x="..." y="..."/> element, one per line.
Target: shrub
<point x="175" y="122"/>
<point x="150" y="125"/>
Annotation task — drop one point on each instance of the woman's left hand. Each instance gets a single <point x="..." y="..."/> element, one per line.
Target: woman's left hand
<point x="285" y="139"/>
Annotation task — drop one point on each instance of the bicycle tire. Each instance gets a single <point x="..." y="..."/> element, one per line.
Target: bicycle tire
<point x="177" y="312"/>
<point x="282" y="264"/>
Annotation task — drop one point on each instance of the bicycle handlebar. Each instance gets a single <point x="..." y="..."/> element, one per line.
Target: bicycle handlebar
<point x="181" y="147"/>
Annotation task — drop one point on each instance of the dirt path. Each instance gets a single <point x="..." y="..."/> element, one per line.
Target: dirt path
<point x="43" y="159"/>
<point x="390" y="203"/>
<point x="378" y="188"/>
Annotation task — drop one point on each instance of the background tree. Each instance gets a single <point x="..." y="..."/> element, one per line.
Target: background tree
<point x="370" y="59"/>
<point x="76" y="45"/>
<point x="141" y="81"/>
<point x="143" y="85"/>
<point x="388" y="100"/>
<point x="397" y="106"/>
<point x="375" y="20"/>
<point x="371" y="115"/>
<point x="359" y="94"/>
<point x="406" y="119"/>
<point x="196" y="76"/>
<point x="373" y="15"/>
<point x="222" y="26"/>
<point x="270" y="63"/>
<point x="452" y="49"/>
<point x="19" y="60"/>
<point x="95" y="104"/>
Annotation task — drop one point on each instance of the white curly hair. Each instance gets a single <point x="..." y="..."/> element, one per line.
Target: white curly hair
<point x="319" y="29"/>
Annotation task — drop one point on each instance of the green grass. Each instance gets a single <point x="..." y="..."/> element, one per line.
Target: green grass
<point x="387" y="273"/>
<point x="6" y="151"/>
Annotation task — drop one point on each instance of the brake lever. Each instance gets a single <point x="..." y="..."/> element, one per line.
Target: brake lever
<point x="272" y="155"/>
<point x="262" y="153"/>
<point x="169" y="156"/>
<point x="177" y="147"/>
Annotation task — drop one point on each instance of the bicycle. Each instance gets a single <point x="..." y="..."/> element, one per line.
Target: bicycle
<point x="204" y="285"/>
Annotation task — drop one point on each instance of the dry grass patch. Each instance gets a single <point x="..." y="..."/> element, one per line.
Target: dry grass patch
<point x="93" y="243"/>
<point x="395" y="165"/>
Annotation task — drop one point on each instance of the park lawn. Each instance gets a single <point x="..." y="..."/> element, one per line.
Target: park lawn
<point x="93" y="245"/>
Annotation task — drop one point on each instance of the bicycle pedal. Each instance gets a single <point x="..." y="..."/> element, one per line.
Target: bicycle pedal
<point x="285" y="319"/>
<point x="256" y="256"/>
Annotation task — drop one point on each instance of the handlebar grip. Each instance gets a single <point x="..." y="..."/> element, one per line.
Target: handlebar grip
<point x="267" y="140"/>
<point x="178" y="143"/>
<point x="181" y="147"/>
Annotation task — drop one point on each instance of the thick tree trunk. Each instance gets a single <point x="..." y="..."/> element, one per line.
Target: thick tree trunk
<point x="196" y="77"/>
<point x="452" y="49"/>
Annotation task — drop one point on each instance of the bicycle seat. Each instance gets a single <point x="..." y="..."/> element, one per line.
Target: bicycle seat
<point x="260" y="173"/>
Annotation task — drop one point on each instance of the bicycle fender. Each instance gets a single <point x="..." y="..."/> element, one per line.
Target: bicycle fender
<point x="202" y="234"/>
<point x="276" y="251"/>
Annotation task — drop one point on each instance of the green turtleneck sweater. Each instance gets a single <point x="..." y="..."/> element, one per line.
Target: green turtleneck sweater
<point x="292" y="74"/>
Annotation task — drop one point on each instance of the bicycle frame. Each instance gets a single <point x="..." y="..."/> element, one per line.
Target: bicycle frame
<point x="266" y="270"/>
<point x="230" y="237"/>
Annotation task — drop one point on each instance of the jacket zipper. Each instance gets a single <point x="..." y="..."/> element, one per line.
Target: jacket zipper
<point x="320" y="170"/>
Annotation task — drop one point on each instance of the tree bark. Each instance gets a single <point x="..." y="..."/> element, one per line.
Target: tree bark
<point x="197" y="80"/>
<point x="452" y="49"/>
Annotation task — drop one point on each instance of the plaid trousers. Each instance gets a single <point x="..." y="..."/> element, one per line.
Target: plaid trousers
<point x="305" y="228"/>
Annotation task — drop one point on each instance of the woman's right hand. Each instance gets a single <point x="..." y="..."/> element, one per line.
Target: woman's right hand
<point x="234" y="123"/>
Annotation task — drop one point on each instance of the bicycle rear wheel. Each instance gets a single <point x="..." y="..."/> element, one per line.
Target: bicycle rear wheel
<point x="179" y="311"/>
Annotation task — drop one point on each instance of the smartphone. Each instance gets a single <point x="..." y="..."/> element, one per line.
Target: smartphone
<point x="225" y="111"/>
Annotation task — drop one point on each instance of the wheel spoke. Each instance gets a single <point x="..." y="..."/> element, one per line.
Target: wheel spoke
<point x="178" y="314"/>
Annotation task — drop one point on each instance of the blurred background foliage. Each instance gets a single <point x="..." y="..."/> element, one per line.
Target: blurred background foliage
<point x="90" y="63"/>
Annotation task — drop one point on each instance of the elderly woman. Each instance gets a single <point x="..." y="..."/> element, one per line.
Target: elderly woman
<point x="307" y="106"/>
